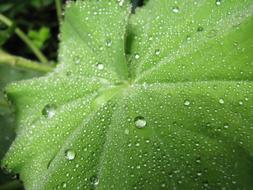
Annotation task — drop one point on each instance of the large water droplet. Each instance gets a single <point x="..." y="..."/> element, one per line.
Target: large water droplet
<point x="94" y="180"/>
<point x="187" y="102"/>
<point x="121" y="2"/>
<point x="157" y="52"/>
<point x="218" y="2"/>
<point x="137" y="56"/>
<point x="140" y="122"/>
<point x="175" y="9"/>
<point x="221" y="101"/>
<point x="100" y="66"/>
<point x="108" y="42"/>
<point x="64" y="185"/>
<point x="70" y="154"/>
<point x="49" y="111"/>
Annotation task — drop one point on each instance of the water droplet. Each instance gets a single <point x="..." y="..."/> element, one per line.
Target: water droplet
<point x="218" y="2"/>
<point x="100" y="66"/>
<point x="226" y="126"/>
<point x="198" y="160"/>
<point x="70" y="154"/>
<point x="175" y="9"/>
<point x="94" y="180"/>
<point x="121" y="2"/>
<point x="205" y="184"/>
<point x="140" y="122"/>
<point x="77" y="60"/>
<point x="188" y="38"/>
<point x="187" y="102"/>
<point x="157" y="52"/>
<point x="240" y="102"/>
<point x="49" y="111"/>
<point x="108" y="42"/>
<point x="200" y="29"/>
<point x="137" y="56"/>
<point x="199" y="174"/>
<point x="221" y="101"/>
<point x="64" y="185"/>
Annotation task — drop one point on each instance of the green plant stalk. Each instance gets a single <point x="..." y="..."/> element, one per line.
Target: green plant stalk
<point x="58" y="6"/>
<point x="21" y="62"/>
<point x="42" y="58"/>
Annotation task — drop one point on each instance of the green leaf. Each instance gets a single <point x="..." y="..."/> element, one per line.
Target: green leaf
<point x="7" y="119"/>
<point x="175" y="112"/>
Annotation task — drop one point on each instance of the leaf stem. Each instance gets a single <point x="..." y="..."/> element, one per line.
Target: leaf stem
<point x="25" y="39"/>
<point x="58" y="6"/>
<point x="11" y="185"/>
<point x="21" y="62"/>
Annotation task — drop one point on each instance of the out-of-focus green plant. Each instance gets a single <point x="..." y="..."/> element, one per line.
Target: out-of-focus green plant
<point x="39" y="37"/>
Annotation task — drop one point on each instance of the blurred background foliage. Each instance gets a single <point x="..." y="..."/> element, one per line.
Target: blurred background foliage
<point x="39" y="21"/>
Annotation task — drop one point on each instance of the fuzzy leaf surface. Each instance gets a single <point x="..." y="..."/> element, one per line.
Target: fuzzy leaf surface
<point x="159" y="99"/>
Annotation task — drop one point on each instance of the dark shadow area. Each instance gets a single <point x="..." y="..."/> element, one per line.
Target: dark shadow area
<point x="137" y="3"/>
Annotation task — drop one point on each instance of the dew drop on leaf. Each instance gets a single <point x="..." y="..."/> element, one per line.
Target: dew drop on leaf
<point x="70" y="154"/>
<point x="226" y="126"/>
<point x="137" y="56"/>
<point x="49" y="111"/>
<point x="241" y="103"/>
<point x="218" y="2"/>
<point x="198" y="160"/>
<point x="121" y="2"/>
<point x="199" y="174"/>
<point x="157" y="52"/>
<point x="77" y="60"/>
<point x="188" y="38"/>
<point x="205" y="184"/>
<point x="187" y="102"/>
<point x="64" y="185"/>
<point x="221" y="101"/>
<point x="175" y="9"/>
<point x="200" y="29"/>
<point x="94" y="180"/>
<point x="100" y="66"/>
<point x="140" y="122"/>
<point x="108" y="42"/>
